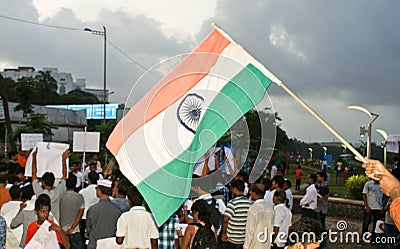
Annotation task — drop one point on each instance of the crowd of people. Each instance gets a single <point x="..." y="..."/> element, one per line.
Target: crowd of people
<point x="91" y="209"/>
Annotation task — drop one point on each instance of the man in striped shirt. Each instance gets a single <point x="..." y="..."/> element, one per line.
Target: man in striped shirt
<point x="235" y="216"/>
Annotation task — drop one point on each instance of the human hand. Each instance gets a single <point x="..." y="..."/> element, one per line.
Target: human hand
<point x="65" y="154"/>
<point x="69" y="231"/>
<point x="22" y="206"/>
<point x="55" y="228"/>
<point x="375" y="169"/>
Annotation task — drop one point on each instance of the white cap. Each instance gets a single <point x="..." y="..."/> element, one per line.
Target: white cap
<point x="104" y="183"/>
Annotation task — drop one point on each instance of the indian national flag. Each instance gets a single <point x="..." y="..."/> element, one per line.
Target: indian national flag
<point x="162" y="137"/>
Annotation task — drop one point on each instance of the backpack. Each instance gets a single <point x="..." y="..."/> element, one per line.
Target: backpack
<point x="204" y="238"/>
<point x="215" y="215"/>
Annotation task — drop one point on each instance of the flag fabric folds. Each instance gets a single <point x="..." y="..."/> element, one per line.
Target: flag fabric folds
<point x="163" y="136"/>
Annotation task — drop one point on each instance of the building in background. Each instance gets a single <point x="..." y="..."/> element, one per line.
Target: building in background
<point x="65" y="81"/>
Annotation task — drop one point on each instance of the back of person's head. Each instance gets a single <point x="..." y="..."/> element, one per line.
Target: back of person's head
<point x="42" y="201"/>
<point x="288" y="183"/>
<point x="306" y="229"/>
<point x="243" y="175"/>
<point x="135" y="197"/>
<point x="11" y="154"/>
<point x="202" y="207"/>
<point x="4" y="168"/>
<point x="299" y="166"/>
<point x="93" y="177"/>
<point x="15" y="192"/>
<point x="105" y="190"/>
<point x="71" y="181"/>
<point x="20" y="170"/>
<point x="280" y="194"/>
<point x="3" y="179"/>
<point x="238" y="184"/>
<point x="27" y="192"/>
<point x="279" y="180"/>
<point x="323" y="175"/>
<point x="280" y="172"/>
<point x="258" y="189"/>
<point x="313" y="177"/>
<point x="12" y="179"/>
<point x="267" y="183"/>
<point x="48" y="179"/>
<point x="123" y="187"/>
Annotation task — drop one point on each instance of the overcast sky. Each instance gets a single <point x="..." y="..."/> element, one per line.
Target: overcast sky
<point x="330" y="53"/>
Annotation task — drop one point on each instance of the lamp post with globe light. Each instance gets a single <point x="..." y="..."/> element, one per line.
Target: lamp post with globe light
<point x="373" y="117"/>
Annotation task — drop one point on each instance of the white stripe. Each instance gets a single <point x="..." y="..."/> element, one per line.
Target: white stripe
<point x="155" y="144"/>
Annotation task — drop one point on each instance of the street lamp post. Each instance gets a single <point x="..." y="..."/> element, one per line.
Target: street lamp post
<point x="310" y="150"/>
<point x="385" y="136"/>
<point x="104" y="34"/>
<point x="325" y="150"/>
<point x="373" y="117"/>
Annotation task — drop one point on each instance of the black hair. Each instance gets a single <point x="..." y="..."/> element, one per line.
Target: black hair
<point x="313" y="177"/>
<point x="323" y="175"/>
<point x="267" y="183"/>
<point x="135" y="197"/>
<point x="12" y="179"/>
<point x="281" y="170"/>
<point x="244" y="175"/>
<point x="3" y="179"/>
<point x="306" y="228"/>
<point x="123" y="187"/>
<point x="11" y="153"/>
<point x="48" y="179"/>
<point x="15" y="192"/>
<point x="71" y="181"/>
<point x="4" y="167"/>
<point x="257" y="190"/>
<point x="238" y="184"/>
<point x="105" y="190"/>
<point x="280" y="180"/>
<point x="27" y="192"/>
<point x="299" y="166"/>
<point x="202" y="207"/>
<point x="288" y="183"/>
<point x="93" y="177"/>
<point x="280" y="194"/>
<point x="20" y="170"/>
<point x="41" y="201"/>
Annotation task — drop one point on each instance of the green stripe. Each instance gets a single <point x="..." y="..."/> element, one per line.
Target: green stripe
<point x="167" y="188"/>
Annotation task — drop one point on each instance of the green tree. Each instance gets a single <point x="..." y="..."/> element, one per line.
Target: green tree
<point x="37" y="123"/>
<point x="25" y="95"/>
<point x="79" y="97"/>
<point x="45" y="89"/>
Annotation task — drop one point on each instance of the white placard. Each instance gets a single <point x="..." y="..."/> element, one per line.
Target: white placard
<point x="86" y="141"/>
<point x="392" y="143"/>
<point x="49" y="159"/>
<point x="43" y="238"/>
<point x="29" y="140"/>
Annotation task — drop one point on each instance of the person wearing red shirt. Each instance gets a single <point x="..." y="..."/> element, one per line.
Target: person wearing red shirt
<point x="299" y="174"/>
<point x="42" y="210"/>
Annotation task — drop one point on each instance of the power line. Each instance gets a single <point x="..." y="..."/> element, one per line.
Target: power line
<point x="73" y="29"/>
<point x="37" y="23"/>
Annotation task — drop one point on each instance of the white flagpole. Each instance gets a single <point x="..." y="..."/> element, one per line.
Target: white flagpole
<point x="325" y="124"/>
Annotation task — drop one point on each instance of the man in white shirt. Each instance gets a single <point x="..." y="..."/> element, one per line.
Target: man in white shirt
<point x="289" y="195"/>
<point x="372" y="197"/>
<point x="259" y="220"/>
<point x="282" y="220"/>
<point x="277" y="183"/>
<point x="89" y="194"/>
<point x="309" y="201"/>
<point x="136" y="228"/>
<point x="9" y="210"/>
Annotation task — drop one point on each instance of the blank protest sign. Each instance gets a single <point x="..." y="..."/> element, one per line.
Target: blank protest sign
<point x="86" y="141"/>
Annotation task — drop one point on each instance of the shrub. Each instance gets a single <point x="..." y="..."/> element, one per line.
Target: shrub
<point x="355" y="185"/>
